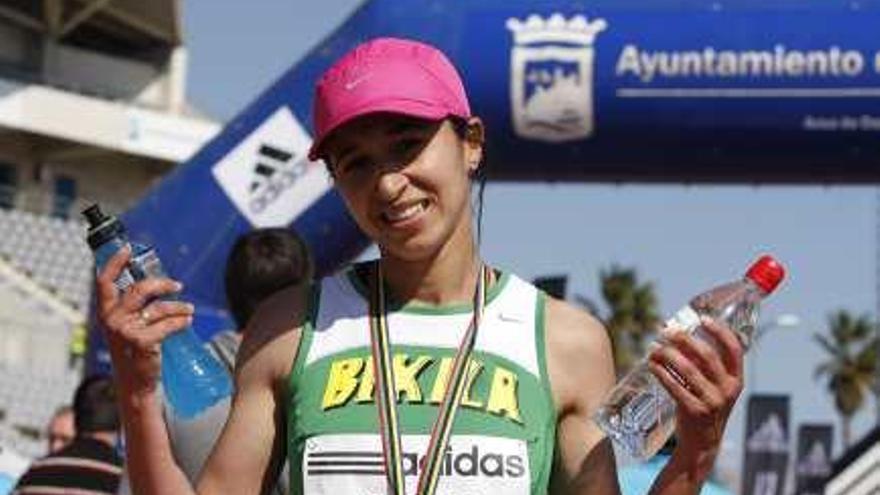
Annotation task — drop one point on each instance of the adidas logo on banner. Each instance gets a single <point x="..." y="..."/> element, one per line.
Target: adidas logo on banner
<point x="816" y="462"/>
<point x="273" y="173"/>
<point x="268" y="176"/>
<point x="769" y="437"/>
<point x="265" y="171"/>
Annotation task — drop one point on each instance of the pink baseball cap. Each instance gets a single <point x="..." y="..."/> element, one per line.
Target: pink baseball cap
<point x="387" y="75"/>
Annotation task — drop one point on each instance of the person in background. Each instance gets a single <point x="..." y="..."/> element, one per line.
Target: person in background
<point x="60" y="431"/>
<point x="90" y="463"/>
<point x="261" y="262"/>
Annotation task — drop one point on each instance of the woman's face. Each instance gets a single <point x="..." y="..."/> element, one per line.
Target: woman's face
<point x="406" y="181"/>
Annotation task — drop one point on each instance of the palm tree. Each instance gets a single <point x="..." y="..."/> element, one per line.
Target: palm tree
<point x="851" y="366"/>
<point x="870" y="356"/>
<point x="632" y="314"/>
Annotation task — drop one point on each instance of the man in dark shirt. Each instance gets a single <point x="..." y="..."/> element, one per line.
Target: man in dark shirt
<point x="89" y="464"/>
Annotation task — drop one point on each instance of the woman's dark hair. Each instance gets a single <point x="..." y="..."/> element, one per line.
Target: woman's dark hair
<point x="94" y="406"/>
<point x="262" y="262"/>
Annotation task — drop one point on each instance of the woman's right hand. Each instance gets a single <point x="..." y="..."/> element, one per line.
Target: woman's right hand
<point x="135" y="322"/>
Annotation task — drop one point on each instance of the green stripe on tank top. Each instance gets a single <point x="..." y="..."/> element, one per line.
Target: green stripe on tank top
<point x="541" y="343"/>
<point x="296" y="372"/>
<point x="423" y="308"/>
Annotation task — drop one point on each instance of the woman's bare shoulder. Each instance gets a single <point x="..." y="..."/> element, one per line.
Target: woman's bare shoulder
<point x="578" y="354"/>
<point x="574" y="330"/>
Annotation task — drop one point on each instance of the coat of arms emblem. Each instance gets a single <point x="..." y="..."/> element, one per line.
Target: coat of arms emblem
<point x="551" y="80"/>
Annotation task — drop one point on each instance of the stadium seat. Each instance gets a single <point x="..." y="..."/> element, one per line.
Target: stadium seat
<point x="51" y="250"/>
<point x="29" y="398"/>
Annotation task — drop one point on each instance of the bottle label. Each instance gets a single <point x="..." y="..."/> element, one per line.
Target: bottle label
<point x="146" y="264"/>
<point x="685" y="319"/>
<point x="124" y="280"/>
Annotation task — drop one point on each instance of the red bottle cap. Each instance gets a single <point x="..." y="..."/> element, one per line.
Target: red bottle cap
<point x="766" y="273"/>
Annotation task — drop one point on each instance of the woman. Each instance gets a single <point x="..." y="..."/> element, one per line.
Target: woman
<point x="393" y="125"/>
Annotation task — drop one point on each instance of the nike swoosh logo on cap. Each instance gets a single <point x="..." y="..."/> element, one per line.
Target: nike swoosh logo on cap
<point x="350" y="85"/>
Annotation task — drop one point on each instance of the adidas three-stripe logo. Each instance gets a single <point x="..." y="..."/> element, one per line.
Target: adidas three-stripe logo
<point x="276" y="170"/>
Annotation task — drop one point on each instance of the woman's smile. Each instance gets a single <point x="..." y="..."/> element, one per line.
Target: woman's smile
<point x="405" y="215"/>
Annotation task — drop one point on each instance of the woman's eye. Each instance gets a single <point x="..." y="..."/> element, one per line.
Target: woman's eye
<point x="406" y="145"/>
<point x="353" y="165"/>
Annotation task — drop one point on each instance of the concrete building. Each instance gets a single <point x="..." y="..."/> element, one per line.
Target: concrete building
<point x="92" y="108"/>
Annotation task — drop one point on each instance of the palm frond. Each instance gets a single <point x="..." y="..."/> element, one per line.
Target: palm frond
<point x="826" y="368"/>
<point x="832" y="348"/>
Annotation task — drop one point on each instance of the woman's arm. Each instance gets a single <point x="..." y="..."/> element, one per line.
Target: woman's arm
<point x="134" y="328"/>
<point x="712" y="381"/>
<point x="246" y="450"/>
<point x="249" y="454"/>
<point x="582" y="373"/>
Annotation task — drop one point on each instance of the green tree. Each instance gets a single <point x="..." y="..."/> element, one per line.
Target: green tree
<point x="871" y="356"/>
<point x="851" y="364"/>
<point x="632" y="314"/>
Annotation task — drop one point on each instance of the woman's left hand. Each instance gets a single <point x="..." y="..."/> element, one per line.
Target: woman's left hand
<point x="708" y="383"/>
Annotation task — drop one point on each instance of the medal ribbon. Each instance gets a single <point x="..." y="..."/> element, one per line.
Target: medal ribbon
<point x="386" y="394"/>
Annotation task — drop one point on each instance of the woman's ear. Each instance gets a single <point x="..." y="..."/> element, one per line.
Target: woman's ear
<point x="474" y="137"/>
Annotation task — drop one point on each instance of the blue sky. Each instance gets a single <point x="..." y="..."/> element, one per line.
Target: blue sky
<point x="683" y="238"/>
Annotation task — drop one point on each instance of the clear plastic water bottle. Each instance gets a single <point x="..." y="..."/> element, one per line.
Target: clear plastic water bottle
<point x="638" y="413"/>
<point x="192" y="378"/>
